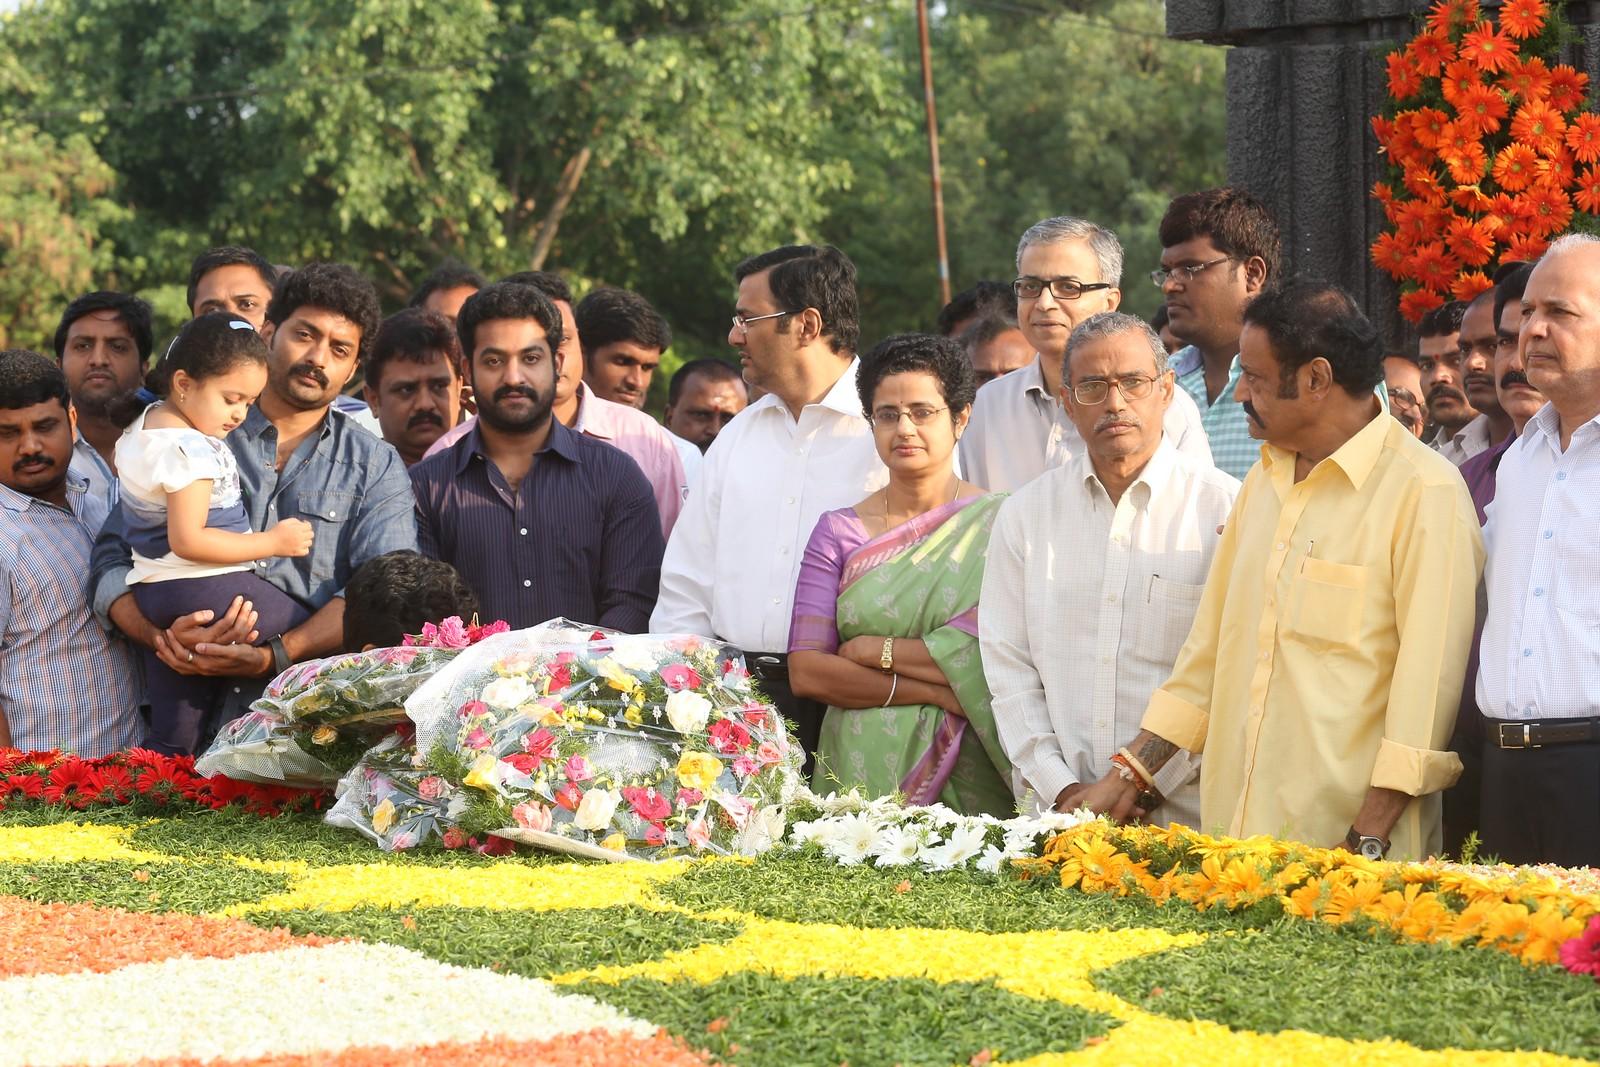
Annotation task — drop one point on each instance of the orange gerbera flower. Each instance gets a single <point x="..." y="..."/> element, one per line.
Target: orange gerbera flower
<point x="1459" y="78"/>
<point x="1463" y="154"/>
<point x="1483" y="107"/>
<point x="1490" y="49"/>
<point x="1423" y="184"/>
<point x="1466" y="287"/>
<point x="1525" y="249"/>
<point x="1523" y="18"/>
<point x="1418" y="303"/>
<point x="1471" y="241"/>
<point x="1516" y="166"/>
<point x="1557" y="168"/>
<point x="1429" y="124"/>
<point x="1429" y="52"/>
<point x="1540" y="125"/>
<point x="1527" y="79"/>
<point x="1389" y="253"/>
<point x="1468" y="197"/>
<point x="1567" y="88"/>
<point x="1449" y="14"/>
<point x="1588" y="193"/>
<point x="1405" y="80"/>
<point x="1551" y="209"/>
<point x="1583" y="137"/>
<point x="1433" y="266"/>
<point x="1383" y="192"/>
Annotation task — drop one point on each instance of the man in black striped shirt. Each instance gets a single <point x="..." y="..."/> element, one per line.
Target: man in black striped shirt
<point x="541" y="521"/>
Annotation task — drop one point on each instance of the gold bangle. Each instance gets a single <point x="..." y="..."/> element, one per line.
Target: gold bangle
<point x="886" y="660"/>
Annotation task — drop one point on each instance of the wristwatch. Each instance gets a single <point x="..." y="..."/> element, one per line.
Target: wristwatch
<point x="1368" y="848"/>
<point x="280" y="656"/>
<point x="886" y="661"/>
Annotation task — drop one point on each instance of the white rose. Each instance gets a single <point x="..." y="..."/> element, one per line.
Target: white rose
<point x="688" y="712"/>
<point x="634" y="655"/>
<point x="509" y="693"/>
<point x="596" y="808"/>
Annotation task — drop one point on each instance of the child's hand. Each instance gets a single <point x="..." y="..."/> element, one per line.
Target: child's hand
<point x="292" y="537"/>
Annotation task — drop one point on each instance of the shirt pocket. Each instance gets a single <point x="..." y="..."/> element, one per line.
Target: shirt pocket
<point x="1169" y="615"/>
<point x="328" y="512"/>
<point x="1325" y="602"/>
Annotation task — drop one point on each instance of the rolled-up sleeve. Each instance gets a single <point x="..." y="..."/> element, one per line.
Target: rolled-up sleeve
<point x="1437" y="563"/>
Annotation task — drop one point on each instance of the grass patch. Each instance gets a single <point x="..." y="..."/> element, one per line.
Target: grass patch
<point x="800" y="888"/>
<point x="1342" y="983"/>
<point x="185" y="887"/>
<point x="536" y="944"/>
<point x="757" y="1020"/>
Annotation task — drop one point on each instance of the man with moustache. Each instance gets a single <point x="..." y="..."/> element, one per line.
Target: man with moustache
<point x="579" y="409"/>
<point x="1322" y="675"/>
<point x="1067" y="270"/>
<point x="234" y="279"/>
<point x="1402" y="380"/>
<point x="103" y="345"/>
<point x="413" y="381"/>
<point x="702" y="398"/>
<point x="65" y="682"/>
<point x="1539" y="675"/>
<point x="1475" y="347"/>
<point x="542" y="522"/>
<point x="297" y="459"/>
<point x="1439" y="357"/>
<point x="1094" y="574"/>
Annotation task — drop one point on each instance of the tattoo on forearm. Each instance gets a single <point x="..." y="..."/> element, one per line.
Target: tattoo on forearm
<point x="1155" y="752"/>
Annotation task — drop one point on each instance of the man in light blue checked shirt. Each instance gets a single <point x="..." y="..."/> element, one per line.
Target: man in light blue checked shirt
<point x="65" y="682"/>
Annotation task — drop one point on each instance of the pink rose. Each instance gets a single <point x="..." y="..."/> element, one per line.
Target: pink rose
<point x="769" y="753"/>
<point x="699" y="835"/>
<point x="738" y="808"/>
<point x="478" y="633"/>
<point x="688" y="798"/>
<point x="578" y="769"/>
<point x="744" y="766"/>
<point x="678" y="677"/>
<point x="539" y="744"/>
<point x="560" y="678"/>
<point x="453" y="633"/>
<point x="656" y="834"/>
<point x="430" y="788"/>
<point x="497" y="846"/>
<point x="453" y="838"/>
<point x="472" y="709"/>
<point x="403" y="840"/>
<point x="532" y="816"/>
<point x="478" y="738"/>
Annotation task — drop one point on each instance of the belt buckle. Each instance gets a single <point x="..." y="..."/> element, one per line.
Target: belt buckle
<point x="1514" y="741"/>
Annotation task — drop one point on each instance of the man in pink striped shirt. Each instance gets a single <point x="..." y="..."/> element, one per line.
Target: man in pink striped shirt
<point x="579" y="409"/>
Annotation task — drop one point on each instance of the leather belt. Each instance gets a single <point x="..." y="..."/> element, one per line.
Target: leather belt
<point x="769" y="665"/>
<point x="1536" y="734"/>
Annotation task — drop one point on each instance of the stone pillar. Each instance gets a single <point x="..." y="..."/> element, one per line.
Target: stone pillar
<point x="1303" y="81"/>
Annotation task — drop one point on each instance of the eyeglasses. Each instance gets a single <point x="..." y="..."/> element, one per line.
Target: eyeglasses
<point x="742" y="324"/>
<point x="1060" y="288"/>
<point x="1095" y="390"/>
<point x="889" y="418"/>
<point x="1186" y="273"/>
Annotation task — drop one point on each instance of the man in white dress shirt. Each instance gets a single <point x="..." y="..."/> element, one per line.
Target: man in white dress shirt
<point x="1095" y="570"/>
<point x="1067" y="270"/>
<point x="802" y="449"/>
<point x="1539" y="671"/>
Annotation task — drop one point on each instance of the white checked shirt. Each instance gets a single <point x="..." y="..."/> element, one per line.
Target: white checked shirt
<point x="734" y="555"/>
<point x="1019" y="430"/>
<point x="1085" y="605"/>
<point x="1540" y="654"/>
<point x="1465" y="443"/>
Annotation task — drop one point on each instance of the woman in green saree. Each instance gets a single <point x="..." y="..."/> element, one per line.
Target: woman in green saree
<point x="885" y="625"/>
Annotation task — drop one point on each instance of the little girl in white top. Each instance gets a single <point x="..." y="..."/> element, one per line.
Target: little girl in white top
<point x="193" y="547"/>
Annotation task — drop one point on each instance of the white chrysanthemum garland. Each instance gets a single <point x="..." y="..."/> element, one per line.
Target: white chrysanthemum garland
<point x="851" y="830"/>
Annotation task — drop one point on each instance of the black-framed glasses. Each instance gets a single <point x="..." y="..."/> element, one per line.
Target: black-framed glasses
<point x="1131" y="386"/>
<point x="1060" y="288"/>
<point x="742" y="324"/>
<point x="1186" y="273"/>
<point x="919" y="414"/>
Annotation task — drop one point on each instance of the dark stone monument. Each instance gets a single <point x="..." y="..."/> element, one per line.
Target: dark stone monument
<point x="1304" y="78"/>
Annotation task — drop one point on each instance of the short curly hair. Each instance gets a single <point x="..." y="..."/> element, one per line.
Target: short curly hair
<point x="392" y="595"/>
<point x="333" y="287"/>
<point x="27" y="378"/>
<point x="942" y="357"/>
<point x="506" y="300"/>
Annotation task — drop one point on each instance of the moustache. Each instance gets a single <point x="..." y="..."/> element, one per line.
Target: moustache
<point x="310" y="371"/>
<point x="37" y="460"/>
<point x="1108" y="421"/>
<point x="1442" y="389"/>
<point x="424" y="418"/>
<point x="1250" y="409"/>
<point x="506" y="391"/>
<point x="1514" y="377"/>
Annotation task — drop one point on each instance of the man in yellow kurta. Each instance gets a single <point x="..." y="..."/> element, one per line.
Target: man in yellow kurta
<point x="1323" y="672"/>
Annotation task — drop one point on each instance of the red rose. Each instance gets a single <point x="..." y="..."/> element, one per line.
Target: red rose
<point x="728" y="736"/>
<point x="650" y="805"/>
<point x="569" y="796"/>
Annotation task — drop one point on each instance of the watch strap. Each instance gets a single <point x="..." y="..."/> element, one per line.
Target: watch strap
<point x="280" y="656"/>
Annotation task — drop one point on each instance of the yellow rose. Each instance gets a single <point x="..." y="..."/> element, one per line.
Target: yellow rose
<point x="615" y="676"/>
<point x="699" y="770"/>
<point x="616" y="843"/>
<point x="383" y="816"/>
<point x="482" y="774"/>
<point x="324" y="735"/>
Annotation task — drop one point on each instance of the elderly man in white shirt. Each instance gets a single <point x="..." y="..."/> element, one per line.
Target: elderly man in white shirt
<point x="1539" y="671"/>
<point x="1068" y="269"/>
<point x="802" y="449"/>
<point x="1094" y="574"/>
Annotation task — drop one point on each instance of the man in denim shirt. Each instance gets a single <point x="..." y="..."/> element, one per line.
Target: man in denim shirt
<point x="297" y="459"/>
